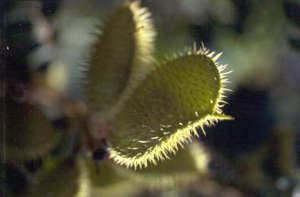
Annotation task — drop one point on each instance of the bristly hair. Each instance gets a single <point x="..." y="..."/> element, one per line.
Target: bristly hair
<point x="118" y="65"/>
<point x="142" y="65"/>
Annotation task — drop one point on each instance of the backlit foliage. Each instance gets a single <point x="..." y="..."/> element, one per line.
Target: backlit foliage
<point x="149" y="118"/>
<point x="137" y="113"/>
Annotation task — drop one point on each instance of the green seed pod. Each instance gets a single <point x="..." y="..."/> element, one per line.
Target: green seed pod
<point x="68" y="177"/>
<point x="185" y="167"/>
<point x="182" y="94"/>
<point x="28" y="133"/>
<point x="120" y="58"/>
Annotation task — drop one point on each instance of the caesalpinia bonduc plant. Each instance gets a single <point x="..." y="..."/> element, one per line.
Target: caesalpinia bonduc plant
<point x="148" y="109"/>
<point x="151" y="107"/>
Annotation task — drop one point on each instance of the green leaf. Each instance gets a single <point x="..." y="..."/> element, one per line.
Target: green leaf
<point x="183" y="93"/>
<point x="120" y="57"/>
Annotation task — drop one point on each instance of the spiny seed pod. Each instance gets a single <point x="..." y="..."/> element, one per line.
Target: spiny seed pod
<point x="185" y="167"/>
<point x="68" y="177"/>
<point x="28" y="133"/>
<point x="182" y="94"/>
<point x="120" y="57"/>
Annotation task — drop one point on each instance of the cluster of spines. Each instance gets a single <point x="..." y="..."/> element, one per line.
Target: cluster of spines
<point x="145" y="38"/>
<point x="180" y="137"/>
